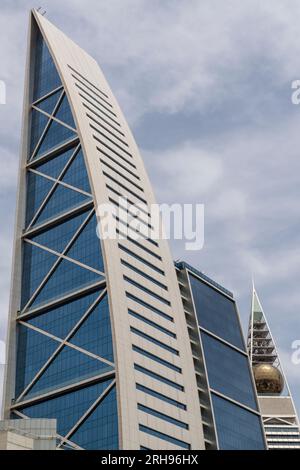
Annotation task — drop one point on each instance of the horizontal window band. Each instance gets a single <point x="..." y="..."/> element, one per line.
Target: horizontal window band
<point x="124" y="187"/>
<point x="110" y="140"/>
<point x="102" y="119"/>
<point x="116" y="154"/>
<point x="95" y="99"/>
<point x="88" y="81"/>
<point x="135" y="242"/>
<point x="132" y="214"/>
<point x="155" y="358"/>
<point x="163" y="416"/>
<point x="142" y="260"/>
<point x="106" y="129"/>
<point x="133" y="229"/>
<point x="143" y="274"/>
<point x="146" y="290"/>
<point x="129" y="201"/>
<point x="158" y="377"/>
<point x="160" y="396"/>
<point x="164" y="437"/>
<point x="146" y="305"/>
<point x="99" y="109"/>
<point x="92" y="91"/>
<point x="154" y="340"/>
<point x="122" y="175"/>
<point x="151" y="323"/>
<point x="111" y="159"/>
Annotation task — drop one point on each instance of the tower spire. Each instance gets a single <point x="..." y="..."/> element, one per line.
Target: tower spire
<point x="277" y="407"/>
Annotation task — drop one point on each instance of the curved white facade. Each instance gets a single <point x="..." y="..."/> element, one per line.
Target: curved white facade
<point x="115" y="168"/>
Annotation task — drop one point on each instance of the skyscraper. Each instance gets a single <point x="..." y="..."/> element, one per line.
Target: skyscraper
<point x="277" y="407"/>
<point x="227" y="397"/>
<point x="97" y="335"/>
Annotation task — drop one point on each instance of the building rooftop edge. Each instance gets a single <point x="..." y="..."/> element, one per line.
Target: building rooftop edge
<point x="184" y="265"/>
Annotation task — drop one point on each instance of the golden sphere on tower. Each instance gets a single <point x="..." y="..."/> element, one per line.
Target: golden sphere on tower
<point x="268" y="379"/>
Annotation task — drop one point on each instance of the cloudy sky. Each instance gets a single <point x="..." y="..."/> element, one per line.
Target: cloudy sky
<point x="206" y="88"/>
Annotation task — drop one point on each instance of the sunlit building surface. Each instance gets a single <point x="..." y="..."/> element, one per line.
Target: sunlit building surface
<point x="275" y="399"/>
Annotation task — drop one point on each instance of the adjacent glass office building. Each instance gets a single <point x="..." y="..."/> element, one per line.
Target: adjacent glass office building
<point x="227" y="396"/>
<point x="103" y="337"/>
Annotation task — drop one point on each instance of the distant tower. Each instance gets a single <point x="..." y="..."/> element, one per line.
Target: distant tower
<point x="276" y="403"/>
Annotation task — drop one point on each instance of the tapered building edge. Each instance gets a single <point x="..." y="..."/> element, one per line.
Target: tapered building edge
<point x="66" y="54"/>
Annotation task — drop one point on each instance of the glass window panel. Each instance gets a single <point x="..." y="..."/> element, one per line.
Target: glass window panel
<point x="60" y="320"/>
<point x="95" y="333"/>
<point x="163" y="416"/>
<point x="237" y="428"/>
<point x="56" y="135"/>
<point x="48" y="104"/>
<point x="54" y="166"/>
<point x="62" y="200"/>
<point x="67" y="278"/>
<point x="36" y="264"/>
<point x="37" y="189"/>
<point x="46" y="77"/>
<point x="228" y="371"/>
<point x="38" y="124"/>
<point x="216" y="312"/>
<point x="76" y="175"/>
<point x="164" y="437"/>
<point x="64" y="113"/>
<point x="33" y="351"/>
<point x="67" y="409"/>
<point x="70" y="366"/>
<point x="160" y="396"/>
<point x="86" y="248"/>
<point x="59" y="236"/>
<point x="100" y="430"/>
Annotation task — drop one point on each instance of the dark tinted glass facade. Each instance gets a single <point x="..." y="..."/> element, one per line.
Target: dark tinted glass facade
<point x="228" y="371"/>
<point x="237" y="428"/>
<point x="238" y="425"/>
<point x="65" y="362"/>
<point x="216" y="312"/>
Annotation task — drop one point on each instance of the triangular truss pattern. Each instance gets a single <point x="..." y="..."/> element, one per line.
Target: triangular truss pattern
<point x="49" y="104"/>
<point x="67" y="408"/>
<point x="60" y="320"/>
<point x="95" y="333"/>
<point x="58" y="236"/>
<point x="89" y="436"/>
<point x="34" y="349"/>
<point x="55" y="274"/>
<point x="65" y="362"/>
<point x="39" y="121"/>
<point x="63" y="112"/>
<point x="76" y="175"/>
<point x="62" y="200"/>
<point x="69" y="367"/>
<point x="36" y="264"/>
<point x="55" y="165"/>
<point x="54" y="136"/>
<point x="85" y="249"/>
